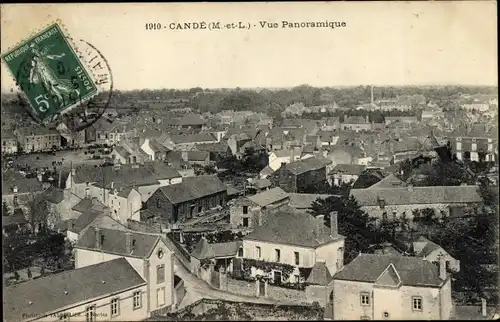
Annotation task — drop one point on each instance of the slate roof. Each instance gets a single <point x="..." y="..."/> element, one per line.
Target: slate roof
<point x="24" y="185"/>
<point x="418" y="195"/>
<point x="204" y="250"/>
<point x="350" y="169"/>
<point x="319" y="274"/>
<point x="161" y="171"/>
<point x="390" y="181"/>
<point x="192" y="188"/>
<point x="303" y="166"/>
<point x="292" y="228"/>
<point x="262" y="183"/>
<point x="87" y="203"/>
<point x="36" y="130"/>
<point x="268" y="197"/>
<point x="213" y="147"/>
<point x="304" y="200"/>
<point x="122" y="152"/>
<point x="191" y="119"/>
<point x="197" y="155"/>
<point x="429" y="247"/>
<point x="53" y="292"/>
<point x="413" y="271"/>
<point x="84" y="220"/>
<point x="266" y="171"/>
<point x="157" y="146"/>
<point x="114" y="241"/>
<point x="192" y="138"/>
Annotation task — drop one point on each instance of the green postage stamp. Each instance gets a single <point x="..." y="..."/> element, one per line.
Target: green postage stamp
<point x="48" y="71"/>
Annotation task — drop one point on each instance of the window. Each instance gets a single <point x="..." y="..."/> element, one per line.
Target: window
<point x="200" y="208"/>
<point x="64" y="316"/>
<point x="245" y="222"/>
<point x="245" y="210"/>
<point x="137" y="299"/>
<point x="240" y="252"/>
<point x="277" y="255"/>
<point x="257" y="249"/>
<point x="158" y="203"/>
<point x="160" y="297"/>
<point x="115" y="307"/>
<point x="297" y="258"/>
<point x="416" y="303"/>
<point x="365" y="299"/>
<point x="90" y="313"/>
<point x="15" y="201"/>
<point x="474" y="147"/>
<point x="459" y="146"/>
<point x="160" y="274"/>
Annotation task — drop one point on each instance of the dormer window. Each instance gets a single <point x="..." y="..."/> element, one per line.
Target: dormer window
<point x="15" y="189"/>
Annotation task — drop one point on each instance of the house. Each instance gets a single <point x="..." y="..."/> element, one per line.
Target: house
<point x="238" y="137"/>
<point x="297" y="239"/>
<point x="9" y="143"/>
<point x="246" y="211"/>
<point x="187" y="142"/>
<point x="148" y="254"/>
<point x="476" y="106"/>
<point x="259" y="185"/>
<point x="155" y="150"/>
<point x="330" y="123"/>
<point x="221" y="255"/>
<point x="201" y="158"/>
<point x="17" y="190"/>
<point x="109" y="133"/>
<point x="60" y="203"/>
<point x="392" y="287"/>
<point x="194" y="195"/>
<point x="266" y="172"/>
<point x="346" y="154"/>
<point x="299" y="176"/>
<point x="129" y="151"/>
<point x="356" y="123"/>
<point x="394" y="202"/>
<point x="38" y="138"/>
<point x="434" y="114"/>
<point x="346" y="173"/>
<point x="432" y="252"/>
<point x="217" y="151"/>
<point x="75" y="228"/>
<point x="391" y="181"/>
<point x="110" y="290"/>
<point x="410" y="148"/>
<point x="478" y="143"/>
<point x="191" y="121"/>
<point x="70" y="138"/>
<point x="278" y="157"/>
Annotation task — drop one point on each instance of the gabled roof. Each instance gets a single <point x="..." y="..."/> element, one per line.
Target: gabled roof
<point x="305" y="200"/>
<point x="157" y="146"/>
<point x="391" y="181"/>
<point x="192" y="138"/>
<point x="302" y="166"/>
<point x="413" y="271"/>
<point x="268" y="197"/>
<point x="191" y="119"/>
<point x="122" y="152"/>
<point x="291" y="227"/>
<point x="350" y="169"/>
<point x="429" y="247"/>
<point x="417" y="195"/>
<point x="213" y="147"/>
<point x="266" y="171"/>
<point x="84" y="220"/>
<point x="87" y="203"/>
<point x="192" y="188"/>
<point x="197" y="155"/>
<point x="24" y="185"/>
<point x="37" y="297"/>
<point x="114" y="242"/>
<point x="161" y="171"/>
<point x="204" y="250"/>
<point x="319" y="274"/>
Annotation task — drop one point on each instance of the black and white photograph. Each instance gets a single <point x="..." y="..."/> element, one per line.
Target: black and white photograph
<point x="241" y="161"/>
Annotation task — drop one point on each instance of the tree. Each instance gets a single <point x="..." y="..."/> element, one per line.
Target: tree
<point x="353" y="223"/>
<point x="39" y="212"/>
<point x="5" y="209"/>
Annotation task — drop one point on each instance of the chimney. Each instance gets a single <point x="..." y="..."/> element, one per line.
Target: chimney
<point x="70" y="225"/>
<point x="292" y="154"/>
<point x="60" y="179"/>
<point x="367" y="119"/>
<point x="334" y="230"/>
<point x="442" y="268"/>
<point x="320" y="221"/>
<point x="410" y="187"/>
<point x="128" y="242"/>
<point x="484" y="311"/>
<point x="345" y="118"/>
<point x="73" y="171"/>
<point x="112" y="185"/>
<point x="98" y="238"/>
<point x="184" y="156"/>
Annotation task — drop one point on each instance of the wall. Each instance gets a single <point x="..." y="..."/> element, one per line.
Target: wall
<point x="396" y="302"/>
<point x="143" y="227"/>
<point x="103" y="308"/>
<point x="85" y="257"/>
<point x="329" y="254"/>
<point x="319" y="293"/>
<point x="376" y="211"/>
<point x="306" y="255"/>
<point x="454" y="264"/>
<point x="446" y="301"/>
<point x="9" y="146"/>
<point x="236" y="212"/>
<point x="310" y="178"/>
<point x="168" y="284"/>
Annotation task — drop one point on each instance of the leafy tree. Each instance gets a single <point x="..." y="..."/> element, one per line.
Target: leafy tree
<point x="353" y="223"/>
<point x="5" y="209"/>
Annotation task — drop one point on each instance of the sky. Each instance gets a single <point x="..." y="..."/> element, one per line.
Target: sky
<point x="383" y="43"/>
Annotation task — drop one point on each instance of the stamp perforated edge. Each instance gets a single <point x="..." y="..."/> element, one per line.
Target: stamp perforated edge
<point x="62" y="27"/>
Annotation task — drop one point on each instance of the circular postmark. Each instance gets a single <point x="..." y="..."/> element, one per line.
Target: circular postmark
<point x="81" y="94"/>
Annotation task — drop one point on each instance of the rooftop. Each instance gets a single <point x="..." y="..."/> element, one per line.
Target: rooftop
<point x="45" y="295"/>
<point x="268" y="197"/>
<point x="293" y="228"/>
<point x="391" y="181"/>
<point x="192" y="188"/>
<point x="350" y="169"/>
<point x="305" y="200"/>
<point x="412" y="271"/>
<point x="306" y="165"/>
<point x="417" y="195"/>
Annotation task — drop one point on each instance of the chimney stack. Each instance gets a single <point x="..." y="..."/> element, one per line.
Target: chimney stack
<point x="345" y="118"/>
<point x="97" y="237"/>
<point x="367" y="119"/>
<point x="334" y="230"/>
<point x="320" y="221"/>
<point x="442" y="268"/>
<point x="128" y="242"/>
<point x="484" y="311"/>
<point x="70" y="225"/>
